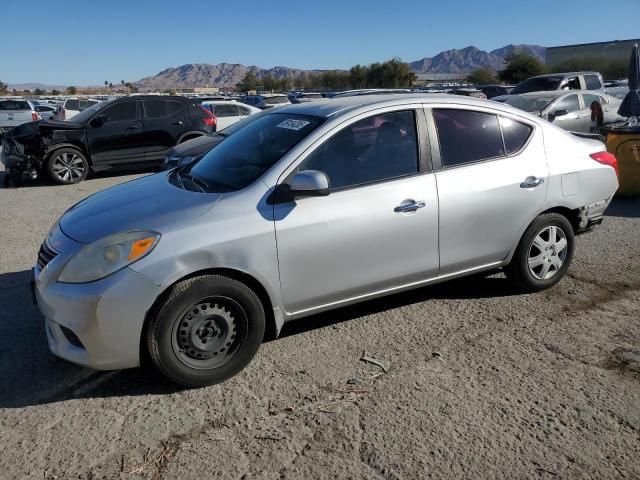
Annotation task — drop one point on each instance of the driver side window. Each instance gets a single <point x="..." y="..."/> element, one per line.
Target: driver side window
<point x="570" y="104"/>
<point x="374" y="149"/>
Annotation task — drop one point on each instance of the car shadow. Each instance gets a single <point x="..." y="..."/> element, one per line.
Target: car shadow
<point x="626" y="207"/>
<point x="44" y="181"/>
<point x="30" y="375"/>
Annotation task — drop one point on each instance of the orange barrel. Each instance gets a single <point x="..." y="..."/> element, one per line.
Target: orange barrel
<point x="625" y="145"/>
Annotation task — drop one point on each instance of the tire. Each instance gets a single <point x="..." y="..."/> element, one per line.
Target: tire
<point x="539" y="262"/>
<point x="206" y="330"/>
<point x="67" y="166"/>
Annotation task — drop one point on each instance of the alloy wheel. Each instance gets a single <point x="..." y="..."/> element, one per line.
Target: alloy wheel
<point x="68" y="167"/>
<point x="548" y="252"/>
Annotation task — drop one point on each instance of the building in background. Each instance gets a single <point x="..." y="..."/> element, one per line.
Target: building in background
<point x="613" y="51"/>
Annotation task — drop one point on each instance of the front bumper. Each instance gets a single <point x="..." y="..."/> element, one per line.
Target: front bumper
<point x="98" y="324"/>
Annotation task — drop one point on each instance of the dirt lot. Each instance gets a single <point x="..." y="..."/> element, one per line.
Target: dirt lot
<point x="482" y="382"/>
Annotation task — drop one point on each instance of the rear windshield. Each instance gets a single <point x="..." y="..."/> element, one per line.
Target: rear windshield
<point x="528" y="104"/>
<point x="14" y="105"/>
<point x="540" y="84"/>
<point x="89" y="112"/>
<point x="243" y="157"/>
<point x="275" y="100"/>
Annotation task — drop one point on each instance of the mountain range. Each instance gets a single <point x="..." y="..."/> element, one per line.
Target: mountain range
<point x="191" y="75"/>
<point x="462" y="60"/>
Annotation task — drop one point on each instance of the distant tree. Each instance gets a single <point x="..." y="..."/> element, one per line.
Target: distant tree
<point x="483" y="76"/>
<point x="106" y="83"/>
<point x="358" y="76"/>
<point x="248" y="82"/>
<point x="3" y="87"/>
<point x="393" y="73"/>
<point x="72" y="90"/>
<point x="110" y="85"/>
<point x="39" y="91"/>
<point x="122" y="82"/>
<point x="55" y="92"/>
<point x="520" y="66"/>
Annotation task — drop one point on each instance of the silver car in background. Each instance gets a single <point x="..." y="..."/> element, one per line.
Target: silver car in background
<point x="306" y="209"/>
<point x="568" y="110"/>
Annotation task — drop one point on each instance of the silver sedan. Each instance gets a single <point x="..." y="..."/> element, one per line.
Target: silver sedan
<point x="309" y="208"/>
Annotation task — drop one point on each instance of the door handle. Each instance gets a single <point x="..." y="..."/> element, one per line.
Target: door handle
<point x="531" y="182"/>
<point x="409" y="207"/>
<point x="133" y="127"/>
<point x="179" y="122"/>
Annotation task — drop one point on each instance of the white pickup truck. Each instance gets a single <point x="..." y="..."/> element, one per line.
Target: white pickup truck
<point x="14" y="112"/>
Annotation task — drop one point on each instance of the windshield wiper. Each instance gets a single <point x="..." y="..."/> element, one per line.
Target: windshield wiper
<point x="201" y="184"/>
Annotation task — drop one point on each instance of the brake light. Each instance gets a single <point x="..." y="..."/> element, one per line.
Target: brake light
<point x="210" y="118"/>
<point x="606" y="158"/>
<point x="35" y="116"/>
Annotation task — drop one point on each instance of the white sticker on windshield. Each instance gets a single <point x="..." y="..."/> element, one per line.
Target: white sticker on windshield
<point x="293" y="124"/>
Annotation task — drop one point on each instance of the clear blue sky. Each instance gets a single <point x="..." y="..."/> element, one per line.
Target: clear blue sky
<point x="87" y="42"/>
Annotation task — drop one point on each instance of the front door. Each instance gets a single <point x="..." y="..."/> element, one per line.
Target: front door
<point x="120" y="138"/>
<point x="573" y="120"/>
<point x="378" y="228"/>
<point x="489" y="189"/>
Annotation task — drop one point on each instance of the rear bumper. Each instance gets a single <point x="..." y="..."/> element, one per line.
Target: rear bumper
<point x="592" y="215"/>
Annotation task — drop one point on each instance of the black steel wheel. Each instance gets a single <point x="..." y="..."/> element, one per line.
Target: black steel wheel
<point x="206" y="330"/>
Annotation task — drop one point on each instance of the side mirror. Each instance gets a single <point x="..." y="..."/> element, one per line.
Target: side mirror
<point x="309" y="183"/>
<point x="99" y="120"/>
<point x="560" y="113"/>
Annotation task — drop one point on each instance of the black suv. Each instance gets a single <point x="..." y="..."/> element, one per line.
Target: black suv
<point x="125" y="132"/>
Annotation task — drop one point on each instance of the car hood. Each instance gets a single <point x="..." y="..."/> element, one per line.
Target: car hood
<point x="33" y="129"/>
<point x="148" y="203"/>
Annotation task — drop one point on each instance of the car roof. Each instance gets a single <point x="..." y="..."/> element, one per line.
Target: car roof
<point x="566" y="74"/>
<point x="556" y="93"/>
<point x="337" y="106"/>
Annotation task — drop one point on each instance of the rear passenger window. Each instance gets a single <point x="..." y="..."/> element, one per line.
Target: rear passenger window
<point x="154" y="108"/>
<point x="593" y="82"/>
<point x="225" y="110"/>
<point x="515" y="134"/>
<point x="244" y="110"/>
<point x="466" y="136"/>
<point x="14" y="105"/>
<point x="121" y="111"/>
<point x="174" y="107"/>
<point x="72" y="105"/>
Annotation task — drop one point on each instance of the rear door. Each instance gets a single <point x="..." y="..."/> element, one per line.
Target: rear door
<point x="121" y="138"/>
<point x="164" y="122"/>
<point x="492" y="180"/>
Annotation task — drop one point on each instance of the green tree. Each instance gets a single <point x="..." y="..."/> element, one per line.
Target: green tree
<point x="520" y="66"/>
<point x="72" y="90"/>
<point x="358" y="76"/>
<point x="248" y="82"/>
<point x="39" y="91"/>
<point x="4" y="88"/>
<point x="106" y="83"/>
<point x="122" y="82"/>
<point x="55" y="92"/>
<point x="483" y="76"/>
<point x="110" y="85"/>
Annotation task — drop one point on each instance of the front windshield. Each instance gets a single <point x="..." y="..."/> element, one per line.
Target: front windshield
<point x="529" y="104"/>
<point x="87" y="113"/>
<point x="243" y="157"/>
<point x="540" y="84"/>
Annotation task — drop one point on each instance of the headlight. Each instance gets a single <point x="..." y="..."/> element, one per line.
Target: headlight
<point x="105" y="257"/>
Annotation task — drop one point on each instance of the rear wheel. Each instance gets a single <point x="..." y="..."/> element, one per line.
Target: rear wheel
<point x="544" y="253"/>
<point x="207" y="330"/>
<point x="67" y="166"/>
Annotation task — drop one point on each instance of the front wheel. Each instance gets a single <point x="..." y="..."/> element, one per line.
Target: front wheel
<point x="544" y="253"/>
<point x="207" y="330"/>
<point x="67" y="166"/>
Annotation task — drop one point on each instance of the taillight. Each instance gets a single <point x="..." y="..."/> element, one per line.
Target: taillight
<point x="63" y="113"/>
<point x="210" y="119"/>
<point x="35" y="116"/>
<point x="606" y="158"/>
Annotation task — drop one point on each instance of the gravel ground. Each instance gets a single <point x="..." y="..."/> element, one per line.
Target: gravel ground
<point x="482" y="381"/>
